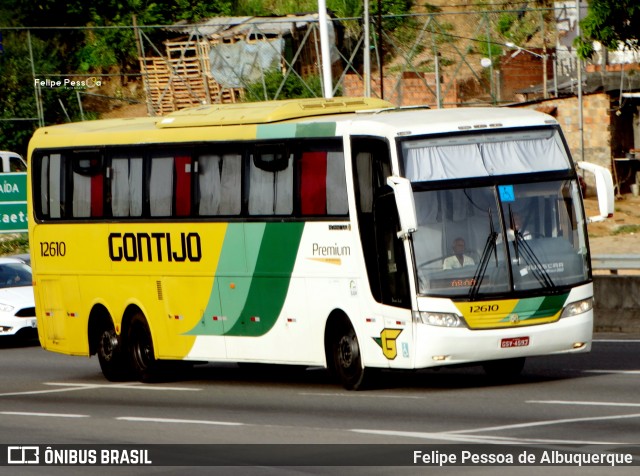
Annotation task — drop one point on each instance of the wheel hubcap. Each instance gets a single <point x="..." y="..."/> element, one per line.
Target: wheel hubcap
<point x="347" y="351"/>
<point x="109" y="342"/>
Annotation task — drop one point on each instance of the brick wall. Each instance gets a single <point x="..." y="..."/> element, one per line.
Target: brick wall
<point x="414" y="89"/>
<point x="597" y="126"/>
<point x="522" y="71"/>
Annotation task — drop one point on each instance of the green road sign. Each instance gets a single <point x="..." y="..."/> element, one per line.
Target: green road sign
<point x="13" y="203"/>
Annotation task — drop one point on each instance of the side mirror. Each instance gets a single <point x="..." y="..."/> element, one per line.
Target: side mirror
<point x="404" y="202"/>
<point x="604" y="189"/>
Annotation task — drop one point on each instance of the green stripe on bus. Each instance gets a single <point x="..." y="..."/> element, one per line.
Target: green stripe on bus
<point x="279" y="131"/>
<point x="234" y="269"/>
<point x="552" y="305"/>
<point x="316" y="129"/>
<point x="271" y="279"/>
<point x="252" y="279"/>
<point x="275" y="131"/>
<point x="538" y="307"/>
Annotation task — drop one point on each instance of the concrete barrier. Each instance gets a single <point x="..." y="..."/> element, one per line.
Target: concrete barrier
<point x="617" y="303"/>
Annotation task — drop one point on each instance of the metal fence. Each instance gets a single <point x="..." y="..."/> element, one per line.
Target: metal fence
<point x="443" y="59"/>
<point x="615" y="263"/>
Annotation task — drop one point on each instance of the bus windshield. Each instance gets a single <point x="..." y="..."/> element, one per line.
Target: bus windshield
<point x="488" y="240"/>
<point x="505" y="228"/>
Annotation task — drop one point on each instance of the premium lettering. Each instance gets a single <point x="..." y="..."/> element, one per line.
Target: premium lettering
<point x="335" y="250"/>
<point x="154" y="247"/>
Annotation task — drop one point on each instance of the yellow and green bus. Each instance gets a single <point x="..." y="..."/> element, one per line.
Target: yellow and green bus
<point x="315" y="232"/>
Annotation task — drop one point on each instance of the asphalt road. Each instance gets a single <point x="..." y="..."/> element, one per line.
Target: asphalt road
<point x="590" y="401"/>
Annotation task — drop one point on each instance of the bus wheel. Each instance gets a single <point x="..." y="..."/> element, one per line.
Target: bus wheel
<point x="113" y="361"/>
<point x="505" y="369"/>
<point x="347" y="361"/>
<point x="143" y="362"/>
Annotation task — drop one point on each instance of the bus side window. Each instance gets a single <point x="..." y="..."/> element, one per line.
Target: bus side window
<point x="392" y="262"/>
<point x="43" y="172"/>
<point x="313" y="190"/>
<point x="161" y="186"/>
<point x="126" y="186"/>
<point x="87" y="183"/>
<point x="323" y="188"/>
<point x="182" y="194"/>
<point x="55" y="185"/>
<point x="271" y="180"/>
<point x="219" y="184"/>
<point x="337" y="201"/>
<point x="371" y="167"/>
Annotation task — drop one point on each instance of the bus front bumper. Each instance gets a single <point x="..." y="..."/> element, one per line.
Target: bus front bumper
<point x="437" y="346"/>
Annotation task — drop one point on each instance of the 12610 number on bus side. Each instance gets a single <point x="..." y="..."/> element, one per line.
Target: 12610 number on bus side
<point x="53" y="248"/>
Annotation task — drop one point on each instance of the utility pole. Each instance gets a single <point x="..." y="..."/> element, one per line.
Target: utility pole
<point x="579" y="67"/>
<point x="380" y="53"/>
<point x="367" y="51"/>
<point x="324" y="49"/>
<point x="38" y="94"/>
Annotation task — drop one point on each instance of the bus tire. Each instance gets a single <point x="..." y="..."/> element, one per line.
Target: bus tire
<point x="144" y="365"/>
<point x="504" y="369"/>
<point x="346" y="359"/>
<point x="112" y="357"/>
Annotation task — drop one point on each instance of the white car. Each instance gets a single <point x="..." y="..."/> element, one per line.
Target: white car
<point x="17" y="304"/>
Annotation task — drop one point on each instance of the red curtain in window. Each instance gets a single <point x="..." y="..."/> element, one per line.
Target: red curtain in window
<point x="313" y="183"/>
<point x="183" y="185"/>
<point x="97" y="195"/>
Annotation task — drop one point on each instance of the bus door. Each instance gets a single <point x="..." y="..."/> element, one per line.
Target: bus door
<point x="395" y="295"/>
<point x="384" y="253"/>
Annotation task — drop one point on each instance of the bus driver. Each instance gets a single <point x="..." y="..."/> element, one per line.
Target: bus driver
<point x="458" y="259"/>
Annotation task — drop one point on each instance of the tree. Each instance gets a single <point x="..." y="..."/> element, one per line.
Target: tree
<point x="611" y="23"/>
<point x="272" y="83"/>
<point x="67" y="37"/>
<point x="18" y="110"/>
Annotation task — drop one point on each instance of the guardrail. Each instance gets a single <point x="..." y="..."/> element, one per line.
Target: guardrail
<point x="613" y="263"/>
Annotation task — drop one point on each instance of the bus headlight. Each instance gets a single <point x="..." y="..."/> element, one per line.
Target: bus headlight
<point x="440" y="319"/>
<point x="577" y="307"/>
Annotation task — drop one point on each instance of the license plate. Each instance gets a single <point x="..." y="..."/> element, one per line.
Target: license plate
<point x="514" y="342"/>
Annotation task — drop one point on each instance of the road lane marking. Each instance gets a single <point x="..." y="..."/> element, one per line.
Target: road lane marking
<point x="622" y="372"/>
<point x="57" y="415"/>
<point x="135" y="386"/>
<point x="617" y="341"/>
<point x="177" y="420"/>
<point x="467" y="436"/>
<point x="357" y="395"/>
<point x="570" y="402"/>
<point x="73" y="387"/>
<point x="38" y="392"/>
<point x="479" y="439"/>
<point x="546" y="423"/>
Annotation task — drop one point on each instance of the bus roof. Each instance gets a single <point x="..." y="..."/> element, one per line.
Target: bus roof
<point x="269" y="111"/>
<point x="269" y="119"/>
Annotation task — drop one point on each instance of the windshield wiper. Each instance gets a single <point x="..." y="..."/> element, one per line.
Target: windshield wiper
<point x="481" y="270"/>
<point x="530" y="257"/>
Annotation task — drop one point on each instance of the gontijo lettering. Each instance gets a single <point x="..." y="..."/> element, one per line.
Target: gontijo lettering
<point x="154" y="247"/>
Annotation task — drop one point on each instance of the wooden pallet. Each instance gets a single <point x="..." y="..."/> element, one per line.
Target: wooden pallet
<point x="183" y="79"/>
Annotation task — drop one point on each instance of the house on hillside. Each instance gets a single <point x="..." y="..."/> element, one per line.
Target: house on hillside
<point x="213" y="61"/>
<point x="609" y="134"/>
